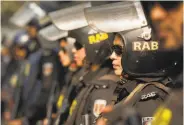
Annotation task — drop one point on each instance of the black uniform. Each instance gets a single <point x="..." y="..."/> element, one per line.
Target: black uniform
<point x="171" y="112"/>
<point x="97" y="52"/>
<point x="142" y="59"/>
<point x="67" y="94"/>
<point x="89" y="81"/>
<point x="96" y="55"/>
<point x="6" y="62"/>
<point x="46" y="79"/>
<point x="14" y="80"/>
<point x="144" y="100"/>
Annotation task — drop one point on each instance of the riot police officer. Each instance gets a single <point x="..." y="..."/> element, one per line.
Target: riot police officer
<point x="141" y="60"/>
<point x="32" y="67"/>
<point x="97" y="52"/>
<point x="14" y="82"/>
<point x="67" y="93"/>
<point x="48" y="35"/>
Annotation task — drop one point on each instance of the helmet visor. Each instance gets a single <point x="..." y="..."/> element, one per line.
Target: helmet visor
<point x="116" y="17"/>
<point x="70" y="18"/>
<point x="26" y="13"/>
<point x="51" y="33"/>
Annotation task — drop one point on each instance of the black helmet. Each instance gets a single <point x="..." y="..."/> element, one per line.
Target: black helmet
<point x="147" y="57"/>
<point x="21" y="39"/>
<point x="72" y="18"/>
<point x="144" y="55"/>
<point x="96" y="44"/>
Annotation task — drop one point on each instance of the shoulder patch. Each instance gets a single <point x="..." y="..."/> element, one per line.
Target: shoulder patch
<point x="27" y="69"/>
<point x="149" y="95"/>
<point x="13" y="80"/>
<point x="99" y="104"/>
<point x="147" y="120"/>
<point x="47" y="69"/>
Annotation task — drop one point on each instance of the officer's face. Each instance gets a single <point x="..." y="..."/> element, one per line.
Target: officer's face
<point x="168" y="25"/>
<point x="63" y="43"/>
<point x="116" y="56"/>
<point x="79" y="55"/>
<point x="32" y="31"/>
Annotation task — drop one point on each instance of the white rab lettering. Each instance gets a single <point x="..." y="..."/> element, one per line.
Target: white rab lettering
<point x="145" y="46"/>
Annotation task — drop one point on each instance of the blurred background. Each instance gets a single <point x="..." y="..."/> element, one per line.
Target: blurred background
<point x="10" y="7"/>
<point x="7" y="10"/>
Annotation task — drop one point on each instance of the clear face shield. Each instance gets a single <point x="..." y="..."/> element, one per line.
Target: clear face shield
<point x="70" y="18"/>
<point x="26" y="13"/>
<point x="116" y="17"/>
<point x="44" y="20"/>
<point x="52" y="33"/>
<point x="49" y="35"/>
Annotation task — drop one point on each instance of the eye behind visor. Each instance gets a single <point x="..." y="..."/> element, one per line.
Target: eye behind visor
<point x="118" y="49"/>
<point x="77" y="45"/>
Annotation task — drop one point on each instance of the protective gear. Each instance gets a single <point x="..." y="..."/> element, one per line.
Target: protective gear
<point x="6" y="57"/>
<point x="171" y="112"/>
<point x="66" y="22"/>
<point x="144" y="54"/>
<point x="72" y="17"/>
<point x="144" y="98"/>
<point x="44" y="22"/>
<point x="68" y="94"/>
<point x="141" y="49"/>
<point x="96" y="44"/>
<point x="85" y="90"/>
<point x="117" y="49"/>
<point x="121" y="16"/>
<point x="48" y="35"/>
<point x="50" y="6"/>
<point x="38" y="95"/>
<point x="26" y="13"/>
<point x="12" y="86"/>
<point x="21" y="39"/>
<point x="172" y="107"/>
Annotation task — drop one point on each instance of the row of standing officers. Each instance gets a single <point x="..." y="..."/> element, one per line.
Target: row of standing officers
<point x="103" y="63"/>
